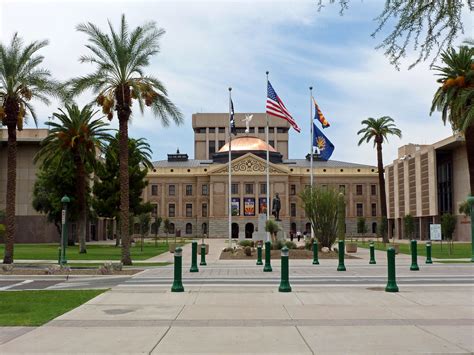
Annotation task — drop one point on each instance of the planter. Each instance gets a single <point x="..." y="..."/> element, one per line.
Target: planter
<point x="199" y="248"/>
<point x="172" y="247"/>
<point x="351" y="247"/>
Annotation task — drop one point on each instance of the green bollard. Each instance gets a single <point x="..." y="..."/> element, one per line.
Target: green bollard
<point x="59" y="256"/>
<point x="372" y="253"/>
<point x="178" y="261"/>
<point x="391" y="282"/>
<point x="268" y="249"/>
<point x="341" y="266"/>
<point x="259" y="254"/>
<point x="64" y="219"/>
<point x="428" y="253"/>
<point x="285" y="274"/>
<point x="315" y="252"/>
<point x="194" y="251"/>
<point x="414" y="256"/>
<point x="470" y="203"/>
<point x="203" y="255"/>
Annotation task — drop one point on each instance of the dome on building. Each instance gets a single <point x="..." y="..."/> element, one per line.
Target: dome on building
<point x="247" y="144"/>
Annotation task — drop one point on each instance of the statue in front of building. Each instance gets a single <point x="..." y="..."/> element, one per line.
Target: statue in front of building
<point x="247" y="120"/>
<point x="276" y="207"/>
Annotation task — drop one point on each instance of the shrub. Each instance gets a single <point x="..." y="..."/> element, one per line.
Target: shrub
<point x="247" y="243"/>
<point x="308" y="245"/>
<point x="248" y="251"/>
<point x="277" y="245"/>
<point x="290" y="245"/>
<point x="272" y="228"/>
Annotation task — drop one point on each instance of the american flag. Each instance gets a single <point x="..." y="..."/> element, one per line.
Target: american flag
<point x="276" y="107"/>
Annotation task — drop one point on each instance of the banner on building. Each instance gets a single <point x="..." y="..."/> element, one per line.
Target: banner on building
<point x="249" y="206"/>
<point x="262" y="205"/>
<point x="235" y="206"/>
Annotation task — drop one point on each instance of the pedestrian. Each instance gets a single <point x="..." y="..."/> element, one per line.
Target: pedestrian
<point x="291" y="236"/>
<point x="298" y="235"/>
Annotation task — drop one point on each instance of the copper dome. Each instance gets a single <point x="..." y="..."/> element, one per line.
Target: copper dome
<point x="247" y="143"/>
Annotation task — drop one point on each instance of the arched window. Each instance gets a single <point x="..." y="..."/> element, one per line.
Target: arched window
<point x="204" y="228"/>
<point x="293" y="227"/>
<point x="171" y="231"/>
<point x="189" y="228"/>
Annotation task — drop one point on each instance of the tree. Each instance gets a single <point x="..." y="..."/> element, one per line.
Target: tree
<point x="156" y="225"/>
<point x="144" y="221"/>
<point x="77" y="136"/>
<point x="448" y="225"/>
<point x="120" y="58"/>
<point x="378" y="130"/>
<point x="272" y="227"/>
<point x="166" y="228"/>
<point x="382" y="228"/>
<point x="2" y="226"/>
<point x="430" y="25"/>
<point x="409" y="224"/>
<point x="106" y="190"/>
<point x="53" y="181"/>
<point x="455" y="97"/>
<point x="361" y="225"/>
<point x="21" y="80"/>
<point x="465" y="209"/>
<point x="320" y="206"/>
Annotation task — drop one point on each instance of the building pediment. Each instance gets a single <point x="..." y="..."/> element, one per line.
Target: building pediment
<point x="249" y="164"/>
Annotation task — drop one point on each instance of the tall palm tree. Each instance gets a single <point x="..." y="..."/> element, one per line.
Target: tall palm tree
<point x="77" y="137"/>
<point x="120" y="59"/>
<point x="378" y="130"/>
<point x="455" y="97"/>
<point x="21" y="80"/>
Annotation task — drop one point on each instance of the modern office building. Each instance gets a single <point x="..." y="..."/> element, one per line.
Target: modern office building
<point x="427" y="181"/>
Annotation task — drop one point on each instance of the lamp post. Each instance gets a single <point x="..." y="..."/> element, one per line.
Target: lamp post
<point x="470" y="202"/>
<point x="65" y="200"/>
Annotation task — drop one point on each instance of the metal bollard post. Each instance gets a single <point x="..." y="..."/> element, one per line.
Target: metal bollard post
<point x="268" y="247"/>
<point x="341" y="266"/>
<point x="428" y="253"/>
<point x="391" y="282"/>
<point x="259" y="254"/>
<point x="203" y="255"/>
<point x="59" y="256"/>
<point x="285" y="273"/>
<point x="414" y="256"/>
<point x="315" y="252"/>
<point x="178" y="262"/>
<point x="372" y="253"/>
<point x="194" y="250"/>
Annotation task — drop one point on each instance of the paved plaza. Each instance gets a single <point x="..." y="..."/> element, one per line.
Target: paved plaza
<point x="233" y="307"/>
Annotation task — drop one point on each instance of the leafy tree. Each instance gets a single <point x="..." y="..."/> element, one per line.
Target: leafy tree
<point x="455" y="97"/>
<point x="106" y="190"/>
<point x="361" y="225"/>
<point x="382" y="228"/>
<point x="156" y="227"/>
<point x="120" y="58"/>
<point x="77" y="136"/>
<point x="272" y="227"/>
<point x="465" y="209"/>
<point x="53" y="181"/>
<point x="21" y="80"/>
<point x="378" y="130"/>
<point x="448" y="226"/>
<point x="409" y="224"/>
<point x="320" y="206"/>
<point x="429" y="25"/>
<point x="166" y="228"/>
<point x="144" y="221"/>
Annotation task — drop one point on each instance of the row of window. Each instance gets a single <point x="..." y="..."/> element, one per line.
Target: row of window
<point x="239" y="130"/>
<point x="249" y="189"/>
<point x="188" y="228"/>
<point x="359" y="210"/>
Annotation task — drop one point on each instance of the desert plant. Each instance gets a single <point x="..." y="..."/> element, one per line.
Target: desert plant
<point x="248" y="251"/>
<point x="247" y="243"/>
<point x="409" y="224"/>
<point x="290" y="245"/>
<point x="272" y="227"/>
<point x="278" y="245"/>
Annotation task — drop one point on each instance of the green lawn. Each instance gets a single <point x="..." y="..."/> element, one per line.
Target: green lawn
<point x="94" y="252"/>
<point x="33" y="308"/>
<point x="136" y="265"/>
<point x="461" y="250"/>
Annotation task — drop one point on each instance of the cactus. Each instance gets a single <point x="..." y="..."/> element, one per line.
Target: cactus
<point x="341" y="217"/>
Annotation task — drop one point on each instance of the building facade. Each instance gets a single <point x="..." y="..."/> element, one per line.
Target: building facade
<point x="427" y="181"/>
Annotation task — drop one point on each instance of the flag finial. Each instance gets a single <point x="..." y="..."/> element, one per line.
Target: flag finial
<point x="230" y="89"/>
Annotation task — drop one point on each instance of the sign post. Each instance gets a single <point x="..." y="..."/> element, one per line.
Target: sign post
<point x="435" y="233"/>
<point x="65" y="200"/>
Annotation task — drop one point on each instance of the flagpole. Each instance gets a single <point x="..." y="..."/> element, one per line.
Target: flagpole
<point x="230" y="169"/>
<point x="268" y="165"/>
<point x="311" y="149"/>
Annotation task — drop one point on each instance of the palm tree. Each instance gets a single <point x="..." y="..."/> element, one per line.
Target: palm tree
<point x="77" y="137"/>
<point x="378" y="130"/>
<point x="455" y="97"/>
<point x="120" y="59"/>
<point x="21" y="80"/>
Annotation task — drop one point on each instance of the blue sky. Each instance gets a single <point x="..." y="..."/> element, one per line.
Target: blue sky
<point x="211" y="45"/>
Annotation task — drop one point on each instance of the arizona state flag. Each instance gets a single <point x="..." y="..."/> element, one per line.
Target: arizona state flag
<point x="318" y="115"/>
<point x="324" y="145"/>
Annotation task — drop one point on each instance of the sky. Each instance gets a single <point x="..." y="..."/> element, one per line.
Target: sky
<point x="212" y="45"/>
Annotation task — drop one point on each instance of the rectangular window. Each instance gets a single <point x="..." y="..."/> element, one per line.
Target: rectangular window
<point x="204" y="209"/>
<point x="155" y="210"/>
<point x="221" y="130"/>
<point x="293" y="210"/>
<point x="212" y="130"/>
<point x="373" y="190"/>
<point x="360" y="209"/>
<point x="281" y="130"/>
<point x="154" y="190"/>
<point x="235" y="189"/>
<point x="240" y="130"/>
<point x="200" y="130"/>
<point x="263" y="189"/>
<point x="261" y="129"/>
<point x="374" y="210"/>
<point x="171" y="190"/>
<point x="171" y="210"/>
<point x="272" y="143"/>
<point x="342" y="188"/>
<point x="189" y="190"/>
<point x="189" y="210"/>
<point x="249" y="189"/>
<point x="221" y="144"/>
<point x="358" y="190"/>
<point x="212" y="148"/>
<point x="292" y="189"/>
<point x="205" y="190"/>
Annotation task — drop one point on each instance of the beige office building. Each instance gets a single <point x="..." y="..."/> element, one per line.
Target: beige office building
<point x="427" y="181"/>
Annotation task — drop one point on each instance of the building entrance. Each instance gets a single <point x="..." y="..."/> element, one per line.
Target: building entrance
<point x="249" y="228"/>
<point x="235" y="230"/>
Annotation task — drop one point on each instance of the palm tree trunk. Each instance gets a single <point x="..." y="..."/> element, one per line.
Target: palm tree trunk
<point x="469" y="136"/>
<point x="81" y="201"/>
<point x="11" y="194"/>
<point x="383" y="196"/>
